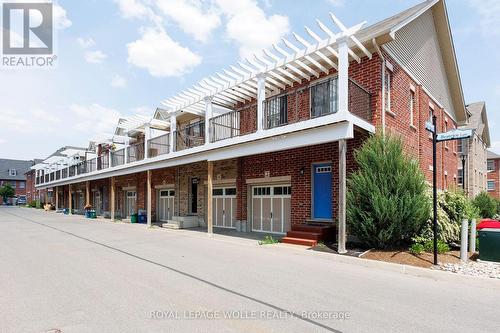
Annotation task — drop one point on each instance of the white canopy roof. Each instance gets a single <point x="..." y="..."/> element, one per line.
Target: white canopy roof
<point x="282" y="66"/>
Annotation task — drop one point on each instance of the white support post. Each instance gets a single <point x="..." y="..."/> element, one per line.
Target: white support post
<point x="343" y="77"/>
<point x="147" y="137"/>
<point x="472" y="241"/>
<point x="112" y="200"/>
<point x="261" y="97"/>
<point x="173" y="128"/>
<point x="70" y="201"/>
<point x="110" y="158"/>
<point x="125" y="155"/>
<point x="57" y="198"/>
<point x="210" y="168"/>
<point x="342" y="197"/>
<point x="463" y="240"/>
<point x="149" y="202"/>
<point x="208" y="116"/>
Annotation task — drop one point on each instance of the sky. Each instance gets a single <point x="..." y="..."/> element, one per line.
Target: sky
<point x="118" y="58"/>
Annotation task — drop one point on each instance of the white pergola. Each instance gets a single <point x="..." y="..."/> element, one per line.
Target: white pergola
<point x="273" y="70"/>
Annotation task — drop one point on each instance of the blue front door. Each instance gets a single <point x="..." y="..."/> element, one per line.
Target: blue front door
<point x="322" y="193"/>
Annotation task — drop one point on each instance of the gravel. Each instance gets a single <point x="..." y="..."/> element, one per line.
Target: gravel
<point x="473" y="268"/>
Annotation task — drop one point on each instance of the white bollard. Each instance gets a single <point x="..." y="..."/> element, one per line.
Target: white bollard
<point x="463" y="240"/>
<point x="472" y="241"/>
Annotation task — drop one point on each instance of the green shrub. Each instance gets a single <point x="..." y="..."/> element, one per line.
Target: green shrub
<point x="387" y="203"/>
<point x="453" y="207"/>
<point x="268" y="240"/>
<point x="486" y="205"/>
<point x="442" y="247"/>
<point x="32" y="204"/>
<point x="416" y="248"/>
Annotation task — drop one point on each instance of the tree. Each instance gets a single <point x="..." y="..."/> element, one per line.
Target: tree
<point x="486" y="204"/>
<point x="387" y="203"/>
<point x="6" y="191"/>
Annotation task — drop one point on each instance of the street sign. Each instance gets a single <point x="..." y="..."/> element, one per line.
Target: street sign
<point x="454" y="134"/>
<point x="429" y="126"/>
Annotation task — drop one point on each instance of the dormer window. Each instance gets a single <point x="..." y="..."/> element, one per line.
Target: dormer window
<point x="12" y="172"/>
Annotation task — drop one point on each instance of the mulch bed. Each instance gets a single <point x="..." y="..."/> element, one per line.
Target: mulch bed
<point x="425" y="259"/>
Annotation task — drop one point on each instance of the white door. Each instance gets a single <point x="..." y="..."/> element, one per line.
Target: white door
<point x="165" y="208"/>
<point x="224" y="207"/>
<point x="271" y="208"/>
<point x="130" y="203"/>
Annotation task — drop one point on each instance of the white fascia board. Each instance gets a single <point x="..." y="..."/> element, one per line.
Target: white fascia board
<point x="306" y="133"/>
<point x="397" y="27"/>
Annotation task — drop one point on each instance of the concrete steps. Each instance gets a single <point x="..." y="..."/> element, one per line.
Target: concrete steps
<point x="181" y="222"/>
<point x="309" y="234"/>
<point x="299" y="241"/>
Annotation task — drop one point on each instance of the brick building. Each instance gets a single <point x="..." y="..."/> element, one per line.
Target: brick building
<point x="12" y="172"/>
<point x="267" y="146"/>
<point x="473" y="151"/>
<point x="493" y="182"/>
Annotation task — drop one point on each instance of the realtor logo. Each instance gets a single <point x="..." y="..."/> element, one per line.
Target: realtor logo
<point x="27" y="28"/>
<point x="27" y="35"/>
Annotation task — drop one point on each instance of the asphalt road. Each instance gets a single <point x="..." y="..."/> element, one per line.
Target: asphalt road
<point x="76" y="275"/>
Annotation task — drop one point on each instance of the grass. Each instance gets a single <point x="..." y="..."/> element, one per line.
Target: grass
<point x="268" y="240"/>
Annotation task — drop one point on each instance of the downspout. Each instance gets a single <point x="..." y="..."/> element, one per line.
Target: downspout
<point x="382" y="58"/>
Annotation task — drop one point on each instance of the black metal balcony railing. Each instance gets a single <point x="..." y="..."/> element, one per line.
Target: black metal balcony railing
<point x="192" y="135"/>
<point x="91" y="165"/>
<point x="58" y="174"/>
<point x="276" y="112"/>
<point x="103" y="162"/>
<point x="80" y="168"/>
<point x="118" y="157"/>
<point x="225" y="126"/>
<point x="159" y="145"/>
<point x="135" y="152"/>
<point x="64" y="173"/>
<point x="360" y="101"/>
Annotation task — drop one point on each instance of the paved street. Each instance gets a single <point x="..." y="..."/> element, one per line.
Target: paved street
<point x="77" y="275"/>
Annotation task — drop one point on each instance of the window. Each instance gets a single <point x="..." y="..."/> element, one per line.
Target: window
<point x="217" y="192"/>
<point x="12" y="172"/>
<point x="446" y="130"/>
<point x="431" y="114"/>
<point x="460" y="146"/>
<point x="276" y="112"/>
<point x="491" y="165"/>
<point x="491" y="185"/>
<point x="262" y="191"/>
<point x="460" y="178"/>
<point x="231" y="191"/>
<point x="412" y="107"/>
<point x="324" y="98"/>
<point x="22" y="185"/>
<point x="388" y="88"/>
<point x="13" y="184"/>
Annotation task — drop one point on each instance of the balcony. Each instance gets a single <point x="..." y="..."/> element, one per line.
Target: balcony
<point x="159" y="145"/>
<point x="296" y="111"/>
<point x="193" y="135"/>
<point x="118" y="157"/>
<point x="135" y="152"/>
<point x="233" y="124"/>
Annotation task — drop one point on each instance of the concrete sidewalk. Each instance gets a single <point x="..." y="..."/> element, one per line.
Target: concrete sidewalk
<point x="82" y="275"/>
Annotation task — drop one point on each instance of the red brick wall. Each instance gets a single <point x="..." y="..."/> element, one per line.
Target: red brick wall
<point x="290" y="163"/>
<point x="495" y="176"/>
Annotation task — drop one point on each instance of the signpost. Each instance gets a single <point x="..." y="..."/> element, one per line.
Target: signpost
<point x="455" y="134"/>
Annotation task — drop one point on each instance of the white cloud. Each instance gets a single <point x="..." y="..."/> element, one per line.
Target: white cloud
<point x="118" y="81"/>
<point x="249" y="26"/>
<point x="191" y="17"/>
<point x="489" y="13"/>
<point x="132" y="8"/>
<point x="160" y="55"/>
<point x="142" y="110"/>
<point x="336" y="3"/>
<point x="60" y="18"/>
<point x="93" y="119"/>
<point x="85" y="43"/>
<point x="95" y="57"/>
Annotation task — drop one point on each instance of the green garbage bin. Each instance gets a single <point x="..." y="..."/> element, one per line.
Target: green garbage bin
<point x="133" y="218"/>
<point x="489" y="244"/>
